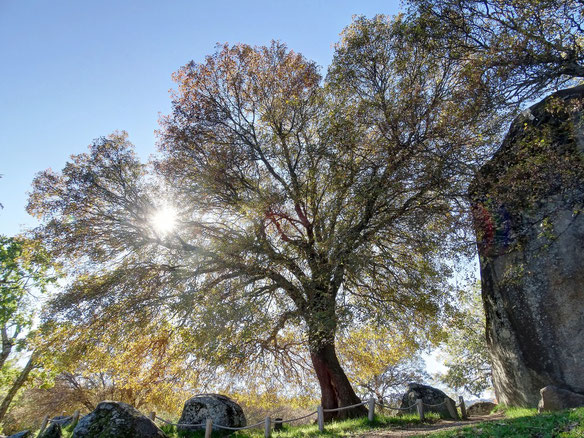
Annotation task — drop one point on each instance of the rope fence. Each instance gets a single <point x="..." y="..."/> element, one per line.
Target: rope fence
<point x="320" y="411"/>
<point x="394" y="408"/>
<point x="267" y="423"/>
<point x="345" y="407"/>
<point x="299" y="418"/>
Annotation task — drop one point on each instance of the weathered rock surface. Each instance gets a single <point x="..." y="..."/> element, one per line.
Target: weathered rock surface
<point x="527" y="205"/>
<point x="22" y="434"/>
<point x="429" y="395"/>
<point x="53" y="431"/>
<point x="221" y="409"/>
<point x="554" y="398"/>
<point x="116" y="420"/>
<point x="480" y="408"/>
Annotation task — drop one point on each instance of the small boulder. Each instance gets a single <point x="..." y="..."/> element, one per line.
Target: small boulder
<point x="22" y="434"/>
<point x="480" y="408"/>
<point x="221" y="409"/>
<point x="554" y="398"/>
<point x="116" y="420"/>
<point x="432" y="398"/>
<point x="53" y="431"/>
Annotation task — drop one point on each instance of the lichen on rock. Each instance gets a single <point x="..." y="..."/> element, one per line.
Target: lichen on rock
<point x="527" y="204"/>
<point x="116" y="420"/>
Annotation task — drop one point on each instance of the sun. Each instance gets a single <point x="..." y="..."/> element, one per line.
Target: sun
<point x="164" y="220"/>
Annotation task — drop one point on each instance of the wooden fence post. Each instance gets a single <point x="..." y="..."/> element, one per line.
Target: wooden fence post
<point x="268" y="428"/>
<point x="75" y="420"/>
<point x="208" y="427"/>
<point x="462" y="407"/>
<point x="371" y="414"/>
<point x="320" y="414"/>
<point x="278" y="425"/>
<point x="420" y="407"/>
<point x="451" y="408"/>
<point x="152" y="415"/>
<point x="44" y="424"/>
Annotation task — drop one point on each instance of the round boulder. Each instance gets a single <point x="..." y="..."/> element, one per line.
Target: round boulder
<point x="22" y="434"/>
<point x="554" y="398"/>
<point x="480" y="408"/>
<point x="221" y="409"/>
<point x="116" y="420"/>
<point x="432" y="398"/>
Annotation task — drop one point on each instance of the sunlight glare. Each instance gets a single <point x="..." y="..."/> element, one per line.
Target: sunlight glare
<point x="164" y="220"/>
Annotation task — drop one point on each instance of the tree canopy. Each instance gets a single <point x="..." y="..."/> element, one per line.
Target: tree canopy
<point x="26" y="271"/>
<point x="302" y="205"/>
<point x="284" y="207"/>
<point x="517" y="49"/>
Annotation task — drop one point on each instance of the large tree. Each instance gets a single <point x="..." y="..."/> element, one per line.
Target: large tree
<point x="301" y="205"/>
<point x="516" y="49"/>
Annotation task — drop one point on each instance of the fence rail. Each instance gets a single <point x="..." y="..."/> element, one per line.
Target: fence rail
<point x="267" y="423"/>
<point x="420" y="405"/>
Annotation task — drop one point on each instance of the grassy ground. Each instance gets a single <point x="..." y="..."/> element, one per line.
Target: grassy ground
<point x="518" y="423"/>
<point x="525" y="423"/>
<point x="335" y="429"/>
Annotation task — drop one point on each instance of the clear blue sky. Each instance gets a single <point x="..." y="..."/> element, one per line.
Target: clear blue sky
<point x="71" y="71"/>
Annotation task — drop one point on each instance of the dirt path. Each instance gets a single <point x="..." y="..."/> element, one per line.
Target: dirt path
<point x="428" y="430"/>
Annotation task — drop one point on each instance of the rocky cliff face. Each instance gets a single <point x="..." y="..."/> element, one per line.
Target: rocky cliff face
<point x="528" y="205"/>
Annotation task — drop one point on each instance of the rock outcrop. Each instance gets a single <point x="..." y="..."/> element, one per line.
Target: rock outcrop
<point x="432" y="398"/>
<point x="116" y="420"/>
<point x="53" y="431"/>
<point x="22" y="434"/>
<point x="221" y="409"/>
<point x="527" y="205"/>
<point x="556" y="399"/>
<point x="480" y="408"/>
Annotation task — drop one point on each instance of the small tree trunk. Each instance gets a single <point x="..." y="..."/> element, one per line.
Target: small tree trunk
<point x="336" y="391"/>
<point x="20" y="380"/>
<point x="7" y="344"/>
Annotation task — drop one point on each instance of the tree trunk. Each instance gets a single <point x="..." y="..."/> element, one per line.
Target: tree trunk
<point x="7" y="344"/>
<point x="20" y="380"/>
<point x="336" y="391"/>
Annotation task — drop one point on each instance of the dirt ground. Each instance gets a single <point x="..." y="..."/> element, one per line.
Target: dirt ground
<point x="428" y="430"/>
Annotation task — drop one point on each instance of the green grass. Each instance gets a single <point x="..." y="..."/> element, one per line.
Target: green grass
<point x="525" y="423"/>
<point x="334" y="429"/>
<point x="518" y="423"/>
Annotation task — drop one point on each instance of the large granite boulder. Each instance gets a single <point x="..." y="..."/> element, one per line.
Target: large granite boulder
<point x="116" y="420"/>
<point x="527" y="205"/>
<point x="554" y="398"/>
<point x="432" y="398"/>
<point x="480" y="408"/>
<point x="221" y="409"/>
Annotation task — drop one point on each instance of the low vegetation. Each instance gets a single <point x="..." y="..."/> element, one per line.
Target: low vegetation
<point x="525" y="423"/>
<point x="518" y="423"/>
<point x="335" y="429"/>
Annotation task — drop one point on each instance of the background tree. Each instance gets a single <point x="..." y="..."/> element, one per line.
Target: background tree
<point x="143" y="365"/>
<point x="302" y="207"/>
<point x="465" y="350"/>
<point x="26" y="270"/>
<point x="517" y="50"/>
<point x="380" y="361"/>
